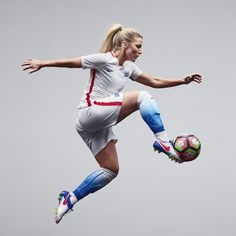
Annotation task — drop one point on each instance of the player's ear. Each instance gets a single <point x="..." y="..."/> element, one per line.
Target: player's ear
<point x="125" y="44"/>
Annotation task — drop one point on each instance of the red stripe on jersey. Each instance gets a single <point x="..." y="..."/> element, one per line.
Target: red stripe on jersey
<point x="91" y="88"/>
<point x="108" y="103"/>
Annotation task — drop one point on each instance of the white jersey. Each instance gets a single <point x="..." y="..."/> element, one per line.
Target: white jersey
<point x="107" y="77"/>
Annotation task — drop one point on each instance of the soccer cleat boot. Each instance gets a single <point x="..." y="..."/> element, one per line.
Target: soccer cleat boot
<point x="64" y="206"/>
<point x="167" y="148"/>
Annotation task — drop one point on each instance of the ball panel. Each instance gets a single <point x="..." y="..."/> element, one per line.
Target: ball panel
<point x="181" y="144"/>
<point x="194" y="142"/>
<point x="189" y="154"/>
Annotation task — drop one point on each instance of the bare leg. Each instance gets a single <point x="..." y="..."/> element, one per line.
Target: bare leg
<point x="107" y="158"/>
<point x="129" y="105"/>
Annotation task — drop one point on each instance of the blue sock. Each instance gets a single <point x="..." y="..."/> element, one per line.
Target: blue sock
<point x="94" y="182"/>
<point x="150" y="112"/>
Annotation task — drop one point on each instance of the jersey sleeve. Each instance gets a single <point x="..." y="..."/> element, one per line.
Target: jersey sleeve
<point x="135" y="71"/>
<point x="94" y="61"/>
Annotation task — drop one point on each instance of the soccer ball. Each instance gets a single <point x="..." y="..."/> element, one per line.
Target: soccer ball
<point x="187" y="146"/>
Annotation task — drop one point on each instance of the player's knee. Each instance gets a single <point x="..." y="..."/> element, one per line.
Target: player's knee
<point x="143" y="95"/>
<point x="110" y="174"/>
<point x="111" y="168"/>
<point x="115" y="169"/>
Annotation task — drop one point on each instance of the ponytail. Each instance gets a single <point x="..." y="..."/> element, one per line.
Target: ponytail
<point x="108" y="42"/>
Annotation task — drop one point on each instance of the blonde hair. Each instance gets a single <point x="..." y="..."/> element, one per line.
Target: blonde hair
<point x="116" y="35"/>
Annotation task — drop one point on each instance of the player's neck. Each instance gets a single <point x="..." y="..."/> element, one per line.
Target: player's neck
<point x="120" y="55"/>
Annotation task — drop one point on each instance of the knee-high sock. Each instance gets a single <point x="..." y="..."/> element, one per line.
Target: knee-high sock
<point x="150" y="113"/>
<point x="94" y="182"/>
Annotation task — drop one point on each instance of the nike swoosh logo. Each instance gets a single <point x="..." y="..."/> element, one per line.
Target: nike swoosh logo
<point x="65" y="200"/>
<point x="166" y="148"/>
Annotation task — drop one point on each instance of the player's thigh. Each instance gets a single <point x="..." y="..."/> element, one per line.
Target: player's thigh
<point x="107" y="157"/>
<point x="129" y="104"/>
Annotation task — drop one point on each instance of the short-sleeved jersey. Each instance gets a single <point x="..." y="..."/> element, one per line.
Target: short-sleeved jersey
<point x="107" y="77"/>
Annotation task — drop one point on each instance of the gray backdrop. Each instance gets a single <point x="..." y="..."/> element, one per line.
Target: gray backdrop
<point x="41" y="153"/>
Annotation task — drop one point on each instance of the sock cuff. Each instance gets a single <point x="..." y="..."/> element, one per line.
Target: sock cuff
<point x="110" y="175"/>
<point x="162" y="136"/>
<point x="143" y="94"/>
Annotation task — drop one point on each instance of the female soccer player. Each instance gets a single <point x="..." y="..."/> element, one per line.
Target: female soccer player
<point x="103" y="105"/>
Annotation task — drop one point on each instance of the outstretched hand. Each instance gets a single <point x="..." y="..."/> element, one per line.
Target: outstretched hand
<point x="193" y="78"/>
<point x="31" y="65"/>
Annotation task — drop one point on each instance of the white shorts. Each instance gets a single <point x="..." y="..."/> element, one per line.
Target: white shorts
<point x="94" y="123"/>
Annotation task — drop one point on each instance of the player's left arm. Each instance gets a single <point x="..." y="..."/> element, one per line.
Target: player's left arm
<point x="156" y="82"/>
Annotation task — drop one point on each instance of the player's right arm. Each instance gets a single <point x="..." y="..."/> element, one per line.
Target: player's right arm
<point x="33" y="65"/>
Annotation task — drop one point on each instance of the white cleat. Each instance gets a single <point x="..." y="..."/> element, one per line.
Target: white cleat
<point x="64" y="206"/>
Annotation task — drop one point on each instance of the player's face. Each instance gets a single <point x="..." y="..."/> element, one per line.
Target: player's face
<point x="134" y="49"/>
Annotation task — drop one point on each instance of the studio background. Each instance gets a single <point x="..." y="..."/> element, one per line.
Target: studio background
<point x="41" y="153"/>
